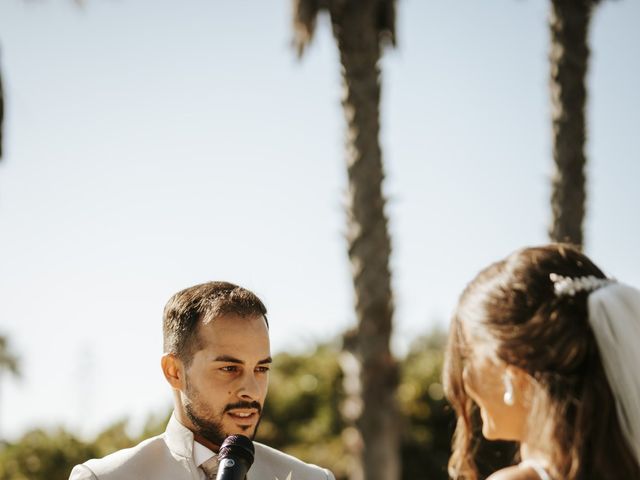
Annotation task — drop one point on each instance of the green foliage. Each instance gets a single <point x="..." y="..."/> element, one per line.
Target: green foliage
<point x="301" y="417"/>
<point x="429" y="421"/>
<point x="41" y="455"/>
<point x="302" y="413"/>
<point x="44" y="456"/>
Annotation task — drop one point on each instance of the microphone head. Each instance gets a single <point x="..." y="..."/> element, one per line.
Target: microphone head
<point x="237" y="446"/>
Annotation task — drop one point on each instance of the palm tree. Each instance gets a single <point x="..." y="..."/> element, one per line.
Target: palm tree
<point x="569" y="57"/>
<point x="361" y="28"/>
<point x="8" y="361"/>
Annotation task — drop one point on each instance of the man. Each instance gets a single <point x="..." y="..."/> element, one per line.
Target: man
<point x="216" y="359"/>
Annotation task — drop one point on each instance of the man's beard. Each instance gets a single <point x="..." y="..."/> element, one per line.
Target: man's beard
<point x="208" y="425"/>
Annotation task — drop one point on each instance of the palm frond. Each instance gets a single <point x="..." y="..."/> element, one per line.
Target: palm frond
<point x="305" y="14"/>
<point x="8" y="361"/>
<point x="386" y="21"/>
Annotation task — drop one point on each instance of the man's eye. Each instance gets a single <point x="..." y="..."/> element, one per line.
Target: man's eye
<point x="262" y="369"/>
<point x="229" y="368"/>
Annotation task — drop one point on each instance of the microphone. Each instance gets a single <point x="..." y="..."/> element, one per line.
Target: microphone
<point x="235" y="458"/>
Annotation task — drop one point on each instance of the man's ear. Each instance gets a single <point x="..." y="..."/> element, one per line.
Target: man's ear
<point x="173" y="370"/>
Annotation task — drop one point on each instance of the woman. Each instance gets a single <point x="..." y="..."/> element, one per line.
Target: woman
<point x="544" y="345"/>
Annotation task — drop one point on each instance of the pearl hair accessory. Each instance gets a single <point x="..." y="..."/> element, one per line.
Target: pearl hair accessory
<point x="570" y="286"/>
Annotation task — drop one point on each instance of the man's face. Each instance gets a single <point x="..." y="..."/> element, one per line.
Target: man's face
<point x="227" y="380"/>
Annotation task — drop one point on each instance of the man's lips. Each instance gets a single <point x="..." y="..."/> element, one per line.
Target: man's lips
<point x="243" y="416"/>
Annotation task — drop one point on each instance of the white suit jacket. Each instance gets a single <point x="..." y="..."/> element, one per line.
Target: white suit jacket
<point x="169" y="456"/>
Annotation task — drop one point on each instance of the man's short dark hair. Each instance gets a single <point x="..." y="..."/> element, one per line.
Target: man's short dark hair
<point x="205" y="302"/>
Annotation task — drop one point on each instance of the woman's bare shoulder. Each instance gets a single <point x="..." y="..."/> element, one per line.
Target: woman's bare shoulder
<point x="514" y="473"/>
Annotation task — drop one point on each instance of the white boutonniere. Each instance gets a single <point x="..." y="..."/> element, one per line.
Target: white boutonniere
<point x="288" y="476"/>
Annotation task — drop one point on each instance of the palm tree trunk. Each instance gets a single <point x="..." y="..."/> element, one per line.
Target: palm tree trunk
<point x="376" y="419"/>
<point x="569" y="24"/>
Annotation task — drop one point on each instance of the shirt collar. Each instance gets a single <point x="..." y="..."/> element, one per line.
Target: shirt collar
<point x="201" y="453"/>
<point x="179" y="438"/>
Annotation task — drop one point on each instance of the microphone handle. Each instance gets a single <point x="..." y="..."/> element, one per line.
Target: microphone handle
<point x="231" y="468"/>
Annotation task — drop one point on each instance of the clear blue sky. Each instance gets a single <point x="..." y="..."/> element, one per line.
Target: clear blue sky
<point x="154" y="144"/>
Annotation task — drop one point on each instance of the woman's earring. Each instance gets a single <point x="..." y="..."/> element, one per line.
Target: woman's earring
<point x="508" y="390"/>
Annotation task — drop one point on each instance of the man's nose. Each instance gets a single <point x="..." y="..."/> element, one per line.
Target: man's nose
<point x="250" y="389"/>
